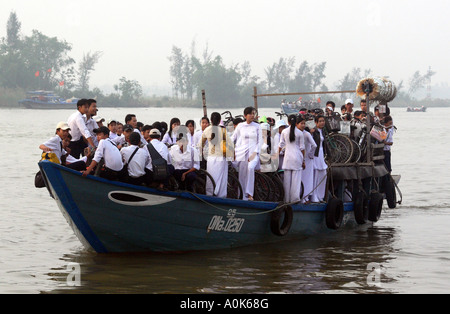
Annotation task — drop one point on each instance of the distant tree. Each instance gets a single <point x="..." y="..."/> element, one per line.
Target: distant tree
<point x="278" y="75"/>
<point x="85" y="68"/>
<point x="13" y="28"/>
<point x="418" y="81"/>
<point x="176" y="71"/>
<point x="130" y="90"/>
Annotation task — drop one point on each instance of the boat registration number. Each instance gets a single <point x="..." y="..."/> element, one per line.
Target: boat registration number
<point x="226" y="224"/>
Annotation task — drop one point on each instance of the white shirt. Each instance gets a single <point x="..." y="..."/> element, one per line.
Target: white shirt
<point x="78" y="128"/>
<point x="55" y="144"/>
<point x="198" y="143"/>
<point x="162" y="150"/>
<point x="92" y="125"/>
<point x="171" y="140"/>
<point x="107" y="150"/>
<point x="143" y="141"/>
<point x="389" y="139"/>
<point x="140" y="161"/>
<point x="319" y="162"/>
<point x="293" y="156"/>
<point x="310" y="145"/>
<point x="248" y="140"/>
<point x="187" y="160"/>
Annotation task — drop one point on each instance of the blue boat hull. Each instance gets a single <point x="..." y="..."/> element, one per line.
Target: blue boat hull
<point x="116" y="217"/>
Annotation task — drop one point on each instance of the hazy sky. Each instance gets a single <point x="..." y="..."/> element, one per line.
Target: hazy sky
<point x="395" y="37"/>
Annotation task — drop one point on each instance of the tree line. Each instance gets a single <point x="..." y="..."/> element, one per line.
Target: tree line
<point x="40" y="62"/>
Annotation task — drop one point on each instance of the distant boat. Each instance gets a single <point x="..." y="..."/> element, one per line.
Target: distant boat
<point x="47" y="100"/>
<point x="421" y="109"/>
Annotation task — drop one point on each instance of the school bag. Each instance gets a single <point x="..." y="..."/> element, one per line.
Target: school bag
<point x="160" y="171"/>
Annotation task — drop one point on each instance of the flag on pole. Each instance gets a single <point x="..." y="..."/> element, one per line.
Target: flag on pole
<point x="49" y="70"/>
<point x="37" y="74"/>
<point x="61" y="83"/>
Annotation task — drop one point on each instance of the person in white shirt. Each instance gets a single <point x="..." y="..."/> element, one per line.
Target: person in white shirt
<point x="170" y="138"/>
<point x="320" y="166"/>
<point x="388" y="142"/>
<point x="279" y="128"/>
<point x="190" y="124"/>
<point x="137" y="160"/>
<point x="79" y="130"/>
<point x="248" y="141"/>
<point x="292" y="139"/>
<point x="308" y="172"/>
<point x="204" y="123"/>
<point x="91" y="119"/>
<point x="130" y="119"/>
<point x="108" y="151"/>
<point x="163" y="151"/>
<point x="186" y="161"/>
<point x="217" y="165"/>
<point x="112" y="126"/>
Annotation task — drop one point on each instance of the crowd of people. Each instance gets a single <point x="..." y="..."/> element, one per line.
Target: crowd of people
<point x="144" y="154"/>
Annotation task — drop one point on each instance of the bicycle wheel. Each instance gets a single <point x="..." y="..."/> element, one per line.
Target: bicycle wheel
<point x="343" y="152"/>
<point x="356" y="152"/>
<point x="234" y="188"/>
<point x="199" y="185"/>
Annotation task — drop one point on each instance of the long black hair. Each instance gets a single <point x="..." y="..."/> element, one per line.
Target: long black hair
<point x="292" y="119"/>
<point x="174" y="120"/>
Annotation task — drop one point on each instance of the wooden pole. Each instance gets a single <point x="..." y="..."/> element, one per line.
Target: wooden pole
<point x="205" y="110"/>
<point x="255" y="97"/>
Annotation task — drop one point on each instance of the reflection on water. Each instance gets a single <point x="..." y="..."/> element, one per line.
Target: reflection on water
<point x="332" y="263"/>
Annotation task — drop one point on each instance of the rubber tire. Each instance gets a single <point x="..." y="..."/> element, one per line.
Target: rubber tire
<point x="375" y="206"/>
<point x="334" y="214"/>
<point x="279" y="228"/>
<point x="391" y="196"/>
<point x="361" y="209"/>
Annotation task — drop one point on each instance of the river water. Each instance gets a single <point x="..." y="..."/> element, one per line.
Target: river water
<point x="407" y="251"/>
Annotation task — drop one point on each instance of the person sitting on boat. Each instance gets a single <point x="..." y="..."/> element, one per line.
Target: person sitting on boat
<point x="109" y="152"/>
<point x="170" y="138"/>
<point x="185" y="160"/>
<point x="320" y="166"/>
<point x="293" y="140"/>
<point x="79" y="130"/>
<point x="248" y="141"/>
<point x="123" y="140"/>
<point x="55" y="145"/>
<point x="163" y="151"/>
<point x="146" y="132"/>
<point x="349" y="106"/>
<point x="70" y="162"/>
<point x="137" y="160"/>
<point x="131" y="119"/>
<point x="112" y="126"/>
<point x="217" y="163"/>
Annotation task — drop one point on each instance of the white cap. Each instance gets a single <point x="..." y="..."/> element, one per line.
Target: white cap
<point x="99" y="119"/>
<point x="279" y="124"/>
<point x="63" y="126"/>
<point x="349" y="101"/>
<point x="111" y="121"/>
<point x="265" y="126"/>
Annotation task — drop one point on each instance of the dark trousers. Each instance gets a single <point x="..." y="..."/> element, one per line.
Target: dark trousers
<point x="146" y="179"/>
<point x="387" y="160"/>
<point x="190" y="178"/>
<point x="77" y="148"/>
<point x="78" y="166"/>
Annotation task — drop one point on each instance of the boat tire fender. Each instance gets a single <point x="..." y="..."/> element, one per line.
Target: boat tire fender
<point x="391" y="196"/>
<point x="361" y="209"/>
<point x="375" y="206"/>
<point x="278" y="227"/>
<point x="334" y="213"/>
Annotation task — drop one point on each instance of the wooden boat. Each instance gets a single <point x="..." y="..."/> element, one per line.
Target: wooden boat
<point x="117" y="217"/>
<point x="47" y="100"/>
<point x="421" y="109"/>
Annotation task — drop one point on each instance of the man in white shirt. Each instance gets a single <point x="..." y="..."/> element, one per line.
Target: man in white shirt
<point x="108" y="151"/>
<point x="55" y="145"/>
<point x="186" y="161"/>
<point x="137" y="160"/>
<point x="131" y="120"/>
<point x="161" y="148"/>
<point x="79" y="130"/>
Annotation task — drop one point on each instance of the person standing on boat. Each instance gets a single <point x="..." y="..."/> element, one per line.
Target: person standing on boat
<point x="170" y="138"/>
<point x="108" y="151"/>
<point x="308" y="172"/>
<point x="248" y="140"/>
<point x="279" y="128"/>
<point x="163" y="151"/>
<point x="204" y="123"/>
<point x="217" y="166"/>
<point x="190" y="124"/>
<point x="388" y="125"/>
<point x="320" y="166"/>
<point x="185" y="160"/>
<point x="292" y="139"/>
<point x="79" y="130"/>
<point x="91" y="123"/>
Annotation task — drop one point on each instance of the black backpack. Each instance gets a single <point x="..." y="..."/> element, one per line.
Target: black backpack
<point x="160" y="171"/>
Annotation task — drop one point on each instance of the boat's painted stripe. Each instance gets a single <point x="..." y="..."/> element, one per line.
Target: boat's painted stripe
<point x="65" y="197"/>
